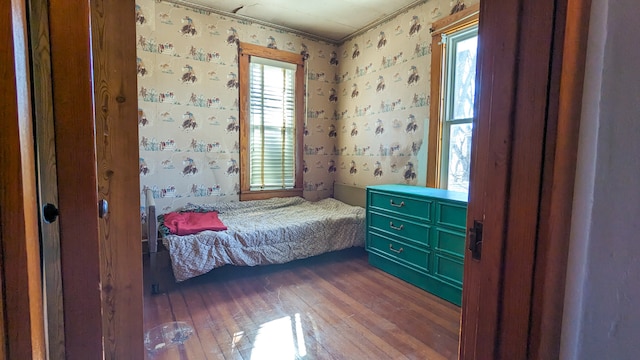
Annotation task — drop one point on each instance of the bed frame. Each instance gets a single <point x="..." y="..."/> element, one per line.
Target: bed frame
<point x="152" y="236"/>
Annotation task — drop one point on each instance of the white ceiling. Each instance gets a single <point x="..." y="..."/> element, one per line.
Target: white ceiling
<point x="331" y="20"/>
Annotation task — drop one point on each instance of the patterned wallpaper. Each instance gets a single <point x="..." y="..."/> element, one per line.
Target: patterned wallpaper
<point x="383" y="99"/>
<point x="188" y="104"/>
<point x="367" y="102"/>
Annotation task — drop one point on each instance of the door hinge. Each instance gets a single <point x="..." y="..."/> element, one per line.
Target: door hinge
<point x="475" y="240"/>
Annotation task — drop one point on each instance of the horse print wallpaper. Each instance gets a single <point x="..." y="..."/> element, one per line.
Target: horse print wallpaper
<point x="367" y="102"/>
<point x="382" y="86"/>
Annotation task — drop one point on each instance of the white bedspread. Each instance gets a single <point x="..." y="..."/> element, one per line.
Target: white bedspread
<point x="269" y="231"/>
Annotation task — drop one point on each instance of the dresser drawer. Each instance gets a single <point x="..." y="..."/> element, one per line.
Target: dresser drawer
<point x="452" y="215"/>
<point x="448" y="269"/>
<point x="414" y="207"/>
<point x="449" y="242"/>
<point x="400" y="251"/>
<point x="397" y="226"/>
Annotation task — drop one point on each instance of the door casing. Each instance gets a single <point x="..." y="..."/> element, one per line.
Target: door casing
<point x="21" y="312"/>
<point x="530" y="73"/>
<point x="73" y="71"/>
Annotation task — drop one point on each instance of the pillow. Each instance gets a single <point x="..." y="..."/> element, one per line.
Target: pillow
<point x="199" y="208"/>
<point x="187" y="223"/>
<point x="190" y="207"/>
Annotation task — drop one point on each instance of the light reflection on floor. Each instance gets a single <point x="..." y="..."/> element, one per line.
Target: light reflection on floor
<point x="302" y="350"/>
<point x="277" y="339"/>
<point x="281" y="339"/>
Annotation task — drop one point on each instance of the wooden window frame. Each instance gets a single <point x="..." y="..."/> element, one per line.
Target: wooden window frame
<point x="458" y="21"/>
<point x="245" y="51"/>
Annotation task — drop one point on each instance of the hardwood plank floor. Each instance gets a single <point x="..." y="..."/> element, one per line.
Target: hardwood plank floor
<point x="333" y="306"/>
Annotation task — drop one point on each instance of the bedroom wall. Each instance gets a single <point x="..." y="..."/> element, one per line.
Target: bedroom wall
<point x="383" y="99"/>
<point x="188" y="104"/>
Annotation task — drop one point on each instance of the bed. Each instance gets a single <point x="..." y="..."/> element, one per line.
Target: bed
<point x="259" y="232"/>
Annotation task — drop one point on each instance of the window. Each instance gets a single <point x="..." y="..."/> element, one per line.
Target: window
<point x="457" y="117"/>
<point x="271" y="122"/>
<point x="453" y="73"/>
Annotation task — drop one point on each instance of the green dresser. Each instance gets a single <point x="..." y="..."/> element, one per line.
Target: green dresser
<point x="418" y="234"/>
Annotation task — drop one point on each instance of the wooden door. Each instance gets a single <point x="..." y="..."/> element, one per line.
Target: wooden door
<point x="95" y="111"/>
<point x="116" y="116"/>
<point x="522" y="179"/>
<point x="47" y="177"/>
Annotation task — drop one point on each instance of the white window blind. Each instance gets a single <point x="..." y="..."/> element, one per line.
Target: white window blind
<point x="272" y="124"/>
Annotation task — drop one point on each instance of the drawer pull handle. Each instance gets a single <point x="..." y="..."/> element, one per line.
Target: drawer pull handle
<point x="394" y="250"/>
<point x="396" y="227"/>
<point x="396" y="205"/>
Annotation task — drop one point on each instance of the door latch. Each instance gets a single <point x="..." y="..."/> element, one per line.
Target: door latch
<point x="475" y="240"/>
<point x="50" y="213"/>
<point x="103" y="208"/>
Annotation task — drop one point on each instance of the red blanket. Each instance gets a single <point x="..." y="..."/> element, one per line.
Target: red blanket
<point x="187" y="223"/>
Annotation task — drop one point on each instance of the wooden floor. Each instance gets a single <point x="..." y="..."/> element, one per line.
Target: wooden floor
<point x="334" y="306"/>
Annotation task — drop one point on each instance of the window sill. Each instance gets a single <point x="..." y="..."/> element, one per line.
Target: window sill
<point x="267" y="194"/>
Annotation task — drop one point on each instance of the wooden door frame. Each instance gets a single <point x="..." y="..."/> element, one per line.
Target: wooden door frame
<point x="513" y="298"/>
<point x="552" y="248"/>
<point x="72" y="77"/>
<point x="101" y="259"/>
<point x="21" y="312"/>
<point x="18" y="177"/>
